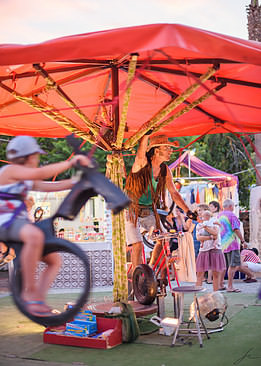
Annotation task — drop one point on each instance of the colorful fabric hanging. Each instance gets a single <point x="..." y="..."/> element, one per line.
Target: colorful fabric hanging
<point x="197" y="196"/>
<point x="209" y="195"/>
<point x="192" y="196"/>
<point x="215" y="191"/>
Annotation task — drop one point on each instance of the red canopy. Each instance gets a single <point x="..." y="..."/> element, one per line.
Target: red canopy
<point x="90" y="71"/>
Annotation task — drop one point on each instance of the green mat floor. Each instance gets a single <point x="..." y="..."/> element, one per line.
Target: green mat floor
<point x="238" y="344"/>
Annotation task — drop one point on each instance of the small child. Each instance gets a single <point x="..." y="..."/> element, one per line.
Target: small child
<point x="203" y="228"/>
<point x="16" y="179"/>
<point x="210" y="254"/>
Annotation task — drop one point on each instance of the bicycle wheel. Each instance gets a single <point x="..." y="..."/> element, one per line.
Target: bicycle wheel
<point x="70" y="254"/>
<point x="148" y="242"/>
<point x="144" y="284"/>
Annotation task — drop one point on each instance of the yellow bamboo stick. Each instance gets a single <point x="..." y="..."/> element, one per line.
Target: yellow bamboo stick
<point x="122" y="124"/>
<point x="169" y="107"/>
<point x="61" y="81"/>
<point x="185" y="110"/>
<point x="115" y="171"/>
<point x="55" y="116"/>
<point x="51" y="84"/>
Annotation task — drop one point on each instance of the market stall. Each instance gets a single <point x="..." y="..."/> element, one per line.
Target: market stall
<point x="209" y="184"/>
<point x="91" y="230"/>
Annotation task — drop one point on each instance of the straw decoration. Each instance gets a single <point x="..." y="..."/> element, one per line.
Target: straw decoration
<point x="122" y="124"/>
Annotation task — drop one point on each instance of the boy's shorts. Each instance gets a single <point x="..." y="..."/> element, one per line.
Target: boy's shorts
<point x="12" y="232"/>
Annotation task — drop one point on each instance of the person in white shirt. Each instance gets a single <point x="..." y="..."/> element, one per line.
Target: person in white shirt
<point x="210" y="253"/>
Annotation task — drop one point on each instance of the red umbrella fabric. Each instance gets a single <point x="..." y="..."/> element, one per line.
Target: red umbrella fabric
<point x="118" y="84"/>
<point x="91" y="70"/>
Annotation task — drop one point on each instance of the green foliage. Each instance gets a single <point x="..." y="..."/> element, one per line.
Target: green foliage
<point x="222" y="151"/>
<point x="226" y="152"/>
<point x="3" y="142"/>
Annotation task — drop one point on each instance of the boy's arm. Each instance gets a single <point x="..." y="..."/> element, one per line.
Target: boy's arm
<point x="21" y="172"/>
<point x="17" y="172"/>
<point x="53" y="186"/>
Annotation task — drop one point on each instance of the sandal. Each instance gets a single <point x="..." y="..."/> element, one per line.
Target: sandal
<point x="250" y="280"/>
<point x="222" y="289"/>
<point x="234" y="290"/>
<point x="45" y="312"/>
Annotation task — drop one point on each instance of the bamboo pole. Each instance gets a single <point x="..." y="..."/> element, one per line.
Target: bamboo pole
<point x="51" y="84"/>
<point x="169" y="107"/>
<point x="123" y="119"/>
<point x="49" y="112"/>
<point x="188" y="108"/>
<point x="115" y="171"/>
<point x="61" y="81"/>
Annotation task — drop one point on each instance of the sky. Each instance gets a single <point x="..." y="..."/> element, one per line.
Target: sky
<point x="34" y="21"/>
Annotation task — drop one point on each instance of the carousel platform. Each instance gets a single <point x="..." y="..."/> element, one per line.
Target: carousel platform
<point x="140" y="310"/>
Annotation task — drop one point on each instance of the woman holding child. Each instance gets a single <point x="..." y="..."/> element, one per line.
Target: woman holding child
<point x="210" y="255"/>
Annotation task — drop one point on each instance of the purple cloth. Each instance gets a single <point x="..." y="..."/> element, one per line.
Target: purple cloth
<point x="211" y="260"/>
<point x="202" y="169"/>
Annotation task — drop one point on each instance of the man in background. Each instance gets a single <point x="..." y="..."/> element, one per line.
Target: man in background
<point x="231" y="237"/>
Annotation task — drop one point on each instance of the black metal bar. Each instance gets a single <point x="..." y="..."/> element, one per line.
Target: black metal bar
<point x="45" y="75"/>
<point x="198" y="75"/>
<point x="153" y="68"/>
<point x="89" y="61"/>
<point x="162" y="62"/>
<point x="174" y="95"/>
<point x="52" y="71"/>
<point x="199" y="61"/>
